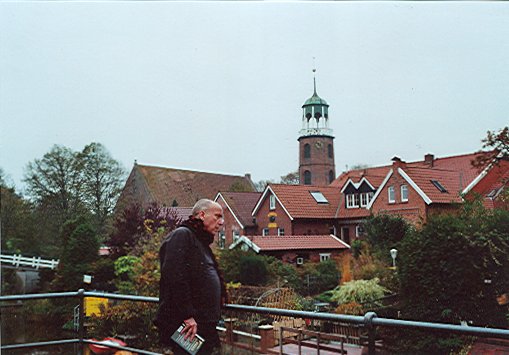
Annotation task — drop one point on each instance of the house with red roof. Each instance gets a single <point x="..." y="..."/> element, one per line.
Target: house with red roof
<point x="294" y="249"/>
<point x="416" y="190"/>
<point x="238" y="221"/>
<point x="296" y="210"/>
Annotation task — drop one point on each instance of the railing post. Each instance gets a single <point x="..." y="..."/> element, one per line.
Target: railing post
<point x="230" y="336"/>
<point x="368" y="323"/>
<point x="267" y="337"/>
<point x="81" y="319"/>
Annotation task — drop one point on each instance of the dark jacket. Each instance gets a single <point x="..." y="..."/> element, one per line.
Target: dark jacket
<point x="190" y="285"/>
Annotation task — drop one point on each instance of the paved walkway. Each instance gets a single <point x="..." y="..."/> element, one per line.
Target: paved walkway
<point x="294" y="349"/>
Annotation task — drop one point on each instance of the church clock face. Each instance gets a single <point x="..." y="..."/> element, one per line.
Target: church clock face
<point x="318" y="144"/>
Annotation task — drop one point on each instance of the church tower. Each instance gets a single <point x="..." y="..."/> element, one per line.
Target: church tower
<point x="316" y="143"/>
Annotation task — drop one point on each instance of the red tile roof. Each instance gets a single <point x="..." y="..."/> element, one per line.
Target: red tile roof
<point x="455" y="173"/>
<point x="242" y="204"/>
<point x="299" y="202"/>
<point x="148" y="184"/>
<point x="297" y="242"/>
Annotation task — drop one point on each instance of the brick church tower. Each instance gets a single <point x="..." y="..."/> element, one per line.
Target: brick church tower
<point x="316" y="143"/>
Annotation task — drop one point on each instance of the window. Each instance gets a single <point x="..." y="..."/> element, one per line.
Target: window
<point x="352" y="200"/>
<point x="307" y="177"/>
<point x="359" y="230"/>
<point x="272" y="202"/>
<point x="307" y="151"/>
<point x="324" y="257"/>
<point x="438" y="185"/>
<point x="392" y="195"/>
<point x="236" y="235"/>
<point x="280" y="231"/>
<point x="319" y="197"/>
<point x="330" y="152"/>
<point x="404" y="193"/>
<point x="221" y="240"/>
<point x="331" y="176"/>
<point x="364" y="199"/>
<point x="300" y="261"/>
<point x="265" y="231"/>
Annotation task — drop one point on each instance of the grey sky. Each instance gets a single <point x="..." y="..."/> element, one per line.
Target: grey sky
<point x="218" y="86"/>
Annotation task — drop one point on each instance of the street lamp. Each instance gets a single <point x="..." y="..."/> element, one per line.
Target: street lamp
<point x="394" y="253"/>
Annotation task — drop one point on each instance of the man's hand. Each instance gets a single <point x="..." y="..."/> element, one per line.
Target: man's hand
<point x="190" y="329"/>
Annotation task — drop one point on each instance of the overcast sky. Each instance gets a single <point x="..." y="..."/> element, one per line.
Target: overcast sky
<point x="218" y="86"/>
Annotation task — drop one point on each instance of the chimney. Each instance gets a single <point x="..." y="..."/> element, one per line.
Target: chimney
<point x="428" y="159"/>
<point x="248" y="176"/>
<point x="398" y="163"/>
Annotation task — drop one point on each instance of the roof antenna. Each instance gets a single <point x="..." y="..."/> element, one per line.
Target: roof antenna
<point x="314" y="75"/>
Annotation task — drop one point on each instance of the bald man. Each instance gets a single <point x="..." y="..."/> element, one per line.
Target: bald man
<point x="191" y="288"/>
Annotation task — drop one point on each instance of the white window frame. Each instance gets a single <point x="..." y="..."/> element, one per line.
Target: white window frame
<point x="404" y="195"/>
<point x="300" y="260"/>
<point x="272" y="202"/>
<point x="221" y="240"/>
<point x="280" y="231"/>
<point x="265" y="231"/>
<point x="391" y="194"/>
<point x="351" y="201"/>
<point x="358" y="233"/>
<point x="324" y="257"/>
<point x="235" y="235"/>
<point x="364" y="199"/>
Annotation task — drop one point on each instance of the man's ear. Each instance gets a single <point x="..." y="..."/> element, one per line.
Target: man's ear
<point x="201" y="215"/>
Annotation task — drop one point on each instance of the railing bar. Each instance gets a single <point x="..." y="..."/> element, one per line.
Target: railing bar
<point x="440" y="326"/>
<point x="39" y="344"/>
<point x="34" y="296"/>
<point x="121" y="297"/>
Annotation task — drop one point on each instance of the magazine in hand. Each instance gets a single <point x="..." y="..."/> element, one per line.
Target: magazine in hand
<point x="191" y="346"/>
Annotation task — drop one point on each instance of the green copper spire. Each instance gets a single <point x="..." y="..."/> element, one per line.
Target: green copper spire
<point x="315" y="99"/>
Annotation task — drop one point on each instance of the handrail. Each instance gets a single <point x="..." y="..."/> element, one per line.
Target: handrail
<point x="369" y="320"/>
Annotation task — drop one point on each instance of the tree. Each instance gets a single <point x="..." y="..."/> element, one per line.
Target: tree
<point x="103" y="179"/>
<point x="443" y="271"/>
<point x="56" y="182"/>
<point x="384" y="232"/>
<point x="18" y="222"/>
<point x="497" y="144"/>
<point x="292" y="178"/>
<point x="134" y="225"/>
<point x="80" y="252"/>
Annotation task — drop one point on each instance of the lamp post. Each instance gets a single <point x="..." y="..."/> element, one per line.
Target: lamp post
<point x="394" y="253"/>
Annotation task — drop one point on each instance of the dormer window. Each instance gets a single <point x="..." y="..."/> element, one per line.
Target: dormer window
<point x="352" y="200"/>
<point x="365" y="198"/>
<point x="272" y="202"/>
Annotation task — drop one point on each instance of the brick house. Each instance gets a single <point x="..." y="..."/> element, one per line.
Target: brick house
<point x="416" y="190"/>
<point x="295" y="249"/>
<point x="238" y="221"/>
<point x="296" y="210"/>
<point x="169" y="187"/>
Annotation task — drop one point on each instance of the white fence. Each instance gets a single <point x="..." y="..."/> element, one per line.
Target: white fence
<point x="17" y="260"/>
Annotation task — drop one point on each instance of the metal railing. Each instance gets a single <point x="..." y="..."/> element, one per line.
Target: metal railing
<point x="370" y="321"/>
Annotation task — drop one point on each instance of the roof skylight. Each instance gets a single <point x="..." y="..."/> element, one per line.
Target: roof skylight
<point x="438" y="185"/>
<point x="318" y="196"/>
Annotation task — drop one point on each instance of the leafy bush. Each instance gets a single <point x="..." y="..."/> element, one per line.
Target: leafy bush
<point x="253" y="270"/>
<point x="359" y="291"/>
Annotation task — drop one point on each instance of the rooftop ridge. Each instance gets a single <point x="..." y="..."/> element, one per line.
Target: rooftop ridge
<point x="187" y="170"/>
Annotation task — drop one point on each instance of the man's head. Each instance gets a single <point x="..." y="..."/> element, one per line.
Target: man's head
<point x="211" y="213"/>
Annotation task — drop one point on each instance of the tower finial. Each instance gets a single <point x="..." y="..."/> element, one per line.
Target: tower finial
<point x="314" y="75"/>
